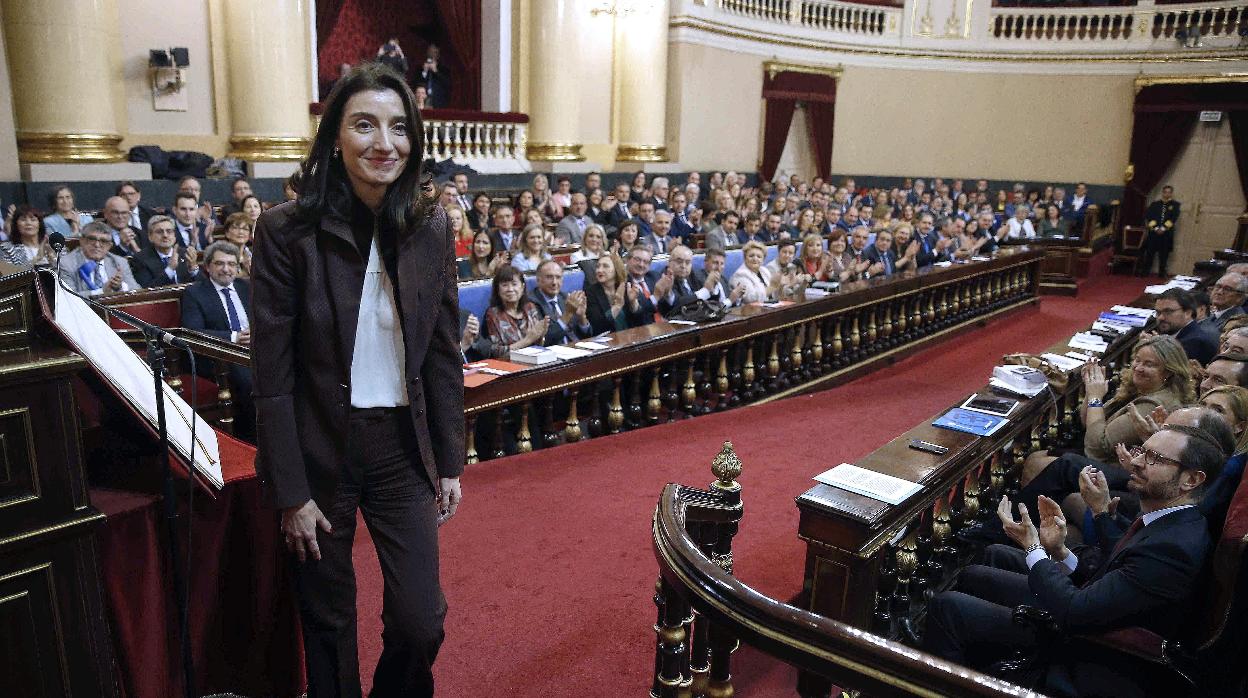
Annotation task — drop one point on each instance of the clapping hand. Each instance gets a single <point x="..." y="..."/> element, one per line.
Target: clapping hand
<point x="577" y="304"/>
<point x="630" y="294"/>
<point x="537" y="330"/>
<point x="472" y="327"/>
<point x="1052" y="528"/>
<point x="712" y="280"/>
<point x="1095" y="385"/>
<point x="1094" y="489"/>
<point x="1146" y="425"/>
<point x="1022" y="532"/>
<point x="173" y="259"/>
<point x="912" y="249"/>
<point x="114" y="284"/>
<point x="664" y="285"/>
<point x="738" y="292"/>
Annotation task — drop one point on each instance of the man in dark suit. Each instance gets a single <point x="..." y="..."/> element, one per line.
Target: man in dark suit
<point x="1077" y="207"/>
<point x="679" y="283"/>
<point x="658" y="239"/>
<point x="162" y="263"/>
<point x="619" y="212"/>
<point x="219" y="305"/>
<point x="1226" y="297"/>
<point x="240" y="189"/>
<point x="1175" y="310"/>
<point x="881" y="255"/>
<point x="502" y="234"/>
<point x="1161" y="222"/>
<point x="191" y="231"/>
<point x="636" y="267"/>
<point x="139" y="214"/>
<point x="1142" y="576"/>
<point x="568" y="321"/>
<point x="126" y="240"/>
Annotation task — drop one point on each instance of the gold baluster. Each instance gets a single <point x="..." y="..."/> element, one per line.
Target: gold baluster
<point x="872" y="334"/>
<point x="524" y="440"/>
<point x="721" y="375"/>
<point x="689" y="392"/>
<point x="795" y="355"/>
<point x="747" y="371"/>
<point x="855" y="335"/>
<point x="929" y="313"/>
<point x="655" y="401"/>
<point x="470" y="440"/>
<point x="773" y="359"/>
<point x="838" y="344"/>
<point x="817" y="348"/>
<point x="615" y="414"/>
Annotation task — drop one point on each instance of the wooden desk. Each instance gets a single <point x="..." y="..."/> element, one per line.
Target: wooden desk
<point x="871" y="564"/>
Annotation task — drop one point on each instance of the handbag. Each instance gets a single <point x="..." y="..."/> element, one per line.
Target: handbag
<point x="699" y="311"/>
<point x="1058" y="379"/>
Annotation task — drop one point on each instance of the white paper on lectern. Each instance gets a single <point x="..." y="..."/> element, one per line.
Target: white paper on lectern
<point x="121" y="367"/>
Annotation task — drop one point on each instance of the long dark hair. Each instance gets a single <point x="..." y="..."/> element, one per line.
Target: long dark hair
<point x="321" y="181"/>
<point x="506" y="273"/>
<point x="25" y="210"/>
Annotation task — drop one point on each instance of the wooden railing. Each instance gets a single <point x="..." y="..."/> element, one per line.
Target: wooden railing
<point x="826" y="15"/>
<point x="1090" y="24"/>
<point x="703" y="611"/>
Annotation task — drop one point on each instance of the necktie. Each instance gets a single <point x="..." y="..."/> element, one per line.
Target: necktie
<point x="662" y="244"/>
<point x="235" y="325"/>
<point x="554" y="309"/>
<point x="645" y="291"/>
<point x="888" y="263"/>
<point x="1131" y="531"/>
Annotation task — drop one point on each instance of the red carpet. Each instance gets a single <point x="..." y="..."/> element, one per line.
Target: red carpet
<point x="548" y="567"/>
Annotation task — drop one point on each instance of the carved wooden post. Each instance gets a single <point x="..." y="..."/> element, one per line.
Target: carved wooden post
<point x="654" y="403"/>
<point x="855" y="339"/>
<point x="634" y="415"/>
<point x="748" y="373"/>
<point x="594" y="423"/>
<point x="838" y="345"/>
<point x="524" y="440"/>
<point x="615" y="417"/>
<point x="721" y="381"/>
<point x="873" y="335"/>
<point x="705" y="386"/>
<point x="572" y="425"/>
<point x="499" y="449"/>
<point x="470" y="440"/>
<point x="550" y="435"/>
<point x="689" y="391"/>
<point x="671" y="648"/>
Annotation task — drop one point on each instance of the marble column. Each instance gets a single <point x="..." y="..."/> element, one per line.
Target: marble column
<point x="269" y="79"/>
<point x="63" y="81"/>
<point x="641" y="42"/>
<point x="555" y="41"/>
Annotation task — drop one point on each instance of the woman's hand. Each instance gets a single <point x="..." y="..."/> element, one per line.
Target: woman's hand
<point x="630" y="294"/>
<point x="537" y="331"/>
<point x="449" y="497"/>
<point x="1095" y="385"/>
<point x="299" y="525"/>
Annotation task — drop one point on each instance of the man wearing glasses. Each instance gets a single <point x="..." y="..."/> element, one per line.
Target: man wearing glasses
<point x="1141" y="575"/>
<point x="1227" y="297"/>
<point x="92" y="270"/>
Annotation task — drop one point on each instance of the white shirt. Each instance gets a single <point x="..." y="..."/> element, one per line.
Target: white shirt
<point x="102" y="278"/>
<point x="1021" y="230"/>
<point x="1077" y="202"/>
<point x="378" y="373"/>
<point x="236" y="302"/>
<point x="135" y="222"/>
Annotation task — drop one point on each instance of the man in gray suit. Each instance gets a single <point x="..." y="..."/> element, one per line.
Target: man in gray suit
<point x="572" y="228"/>
<point x="725" y="235"/>
<point x="94" y="271"/>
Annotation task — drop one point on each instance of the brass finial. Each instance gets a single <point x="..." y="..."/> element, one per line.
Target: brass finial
<point x="726" y="467"/>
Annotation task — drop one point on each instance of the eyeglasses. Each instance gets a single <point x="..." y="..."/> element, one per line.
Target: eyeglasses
<point x="1151" y="457"/>
<point x="97" y="241"/>
<point x="1228" y="289"/>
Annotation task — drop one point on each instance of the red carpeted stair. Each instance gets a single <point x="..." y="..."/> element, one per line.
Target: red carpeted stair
<point x="548" y="567"/>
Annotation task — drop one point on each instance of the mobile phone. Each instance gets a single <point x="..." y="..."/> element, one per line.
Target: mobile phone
<point x="928" y="446"/>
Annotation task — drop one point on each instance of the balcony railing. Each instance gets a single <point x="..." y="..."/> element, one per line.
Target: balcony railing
<point x="489" y="142"/>
<point x="922" y="27"/>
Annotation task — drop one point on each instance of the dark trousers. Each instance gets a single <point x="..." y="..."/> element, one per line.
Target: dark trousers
<point x="1163" y="257"/>
<point x="973" y="625"/>
<point x="383" y="478"/>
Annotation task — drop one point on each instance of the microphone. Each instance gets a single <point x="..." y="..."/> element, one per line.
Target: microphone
<point x="57" y="242"/>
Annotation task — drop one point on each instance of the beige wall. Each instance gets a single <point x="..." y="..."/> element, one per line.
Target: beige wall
<point x="8" y="128"/>
<point x="905" y="122"/>
<point x="188" y="26"/>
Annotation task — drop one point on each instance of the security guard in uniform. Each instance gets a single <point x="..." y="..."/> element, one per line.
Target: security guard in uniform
<point x="1161" y="220"/>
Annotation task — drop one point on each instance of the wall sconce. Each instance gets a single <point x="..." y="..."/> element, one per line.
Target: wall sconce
<point x="167" y="69"/>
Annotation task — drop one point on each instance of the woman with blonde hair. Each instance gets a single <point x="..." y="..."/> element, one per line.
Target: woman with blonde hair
<point x="814" y="260"/>
<point x="611" y="304"/>
<point x="462" y="231"/>
<point x="532" y="249"/>
<point x="1231" y="401"/>
<point x="593" y="244"/>
<point x="755" y="277"/>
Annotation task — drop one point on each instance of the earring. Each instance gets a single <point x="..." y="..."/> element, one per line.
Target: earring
<point x="337" y="151"/>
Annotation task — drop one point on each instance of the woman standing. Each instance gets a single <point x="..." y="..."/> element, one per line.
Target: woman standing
<point x="358" y="382"/>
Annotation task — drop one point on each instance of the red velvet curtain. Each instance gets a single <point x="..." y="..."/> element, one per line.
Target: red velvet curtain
<point x="782" y="91"/>
<point x="1239" y="141"/>
<point x="819" y="121"/>
<point x="461" y="32"/>
<point x="1164" y="118"/>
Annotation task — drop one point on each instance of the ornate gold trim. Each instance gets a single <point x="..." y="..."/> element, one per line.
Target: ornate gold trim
<point x="1149" y="80"/>
<point x="42" y="146"/>
<point x="699" y="24"/>
<point x="641" y="153"/>
<point x="554" y="152"/>
<point x="773" y="67"/>
<point x="269" y="148"/>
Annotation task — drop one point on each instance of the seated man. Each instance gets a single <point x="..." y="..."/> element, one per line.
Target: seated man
<point x="725" y="235"/>
<point x="659" y="240"/>
<point x="218" y="305"/>
<point x="637" y="266"/>
<point x="1143" y="578"/>
<point x="1227" y="297"/>
<point x="92" y="270"/>
<point x="568" y="321"/>
<point x="127" y="241"/>
<point x="572" y="228"/>
<point x="679" y="283"/>
<point x="881" y="255"/>
<point x="161" y="263"/>
<point x="1176" y="315"/>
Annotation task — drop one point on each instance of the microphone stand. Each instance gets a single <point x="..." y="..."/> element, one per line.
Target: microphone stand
<point x="154" y="335"/>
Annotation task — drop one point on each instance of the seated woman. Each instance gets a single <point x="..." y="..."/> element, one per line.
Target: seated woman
<point x="238" y="230"/>
<point x="252" y="207"/>
<point x="593" y="246"/>
<point x="532" y="250"/>
<point x="1159" y="375"/>
<point x="65" y="218"/>
<point x="841" y="265"/>
<point x="479" y="216"/>
<point x="611" y="304"/>
<point x="482" y="261"/>
<point x="512" y="321"/>
<point x="28" y="239"/>
<point x="625" y="238"/>
<point x="524" y="203"/>
<point x="804" y="224"/>
<point x="814" y="259"/>
<point x="789" y="281"/>
<point x="980" y="240"/>
<point x="1053" y="224"/>
<point x="905" y="247"/>
<point x="755" y="277"/>
<point x="459" y="229"/>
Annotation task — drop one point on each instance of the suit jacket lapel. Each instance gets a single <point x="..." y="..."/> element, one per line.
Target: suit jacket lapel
<point x="344" y="276"/>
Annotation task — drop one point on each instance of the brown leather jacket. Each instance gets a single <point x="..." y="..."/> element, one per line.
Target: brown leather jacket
<point x="307" y="278"/>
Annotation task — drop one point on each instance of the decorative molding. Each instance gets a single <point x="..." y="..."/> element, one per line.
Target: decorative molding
<point x="641" y="153"/>
<point x="772" y="68"/>
<point x="555" y="152"/>
<point x="44" y="147"/>
<point x="1149" y="80"/>
<point x="269" y="148"/>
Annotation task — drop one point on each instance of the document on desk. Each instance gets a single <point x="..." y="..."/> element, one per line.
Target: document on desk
<point x="566" y="352"/>
<point x="868" y="483"/>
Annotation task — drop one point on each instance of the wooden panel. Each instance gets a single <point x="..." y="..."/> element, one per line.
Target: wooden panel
<point x="30" y="634"/>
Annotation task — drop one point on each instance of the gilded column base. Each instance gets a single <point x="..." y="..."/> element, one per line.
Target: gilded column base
<point x="554" y="152"/>
<point x="641" y="153"/>
<point x="33" y="146"/>
<point x="269" y="148"/>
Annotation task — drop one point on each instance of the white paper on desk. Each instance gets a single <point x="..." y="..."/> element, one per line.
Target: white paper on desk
<point x="998" y="383"/>
<point x="120" y="366"/>
<point x="943" y="264"/>
<point x="868" y="483"/>
<point x="566" y="352"/>
<point x="978" y="258"/>
<point x="1131" y="310"/>
<point x="1185" y="277"/>
<point x="682" y="322"/>
<point x="1114" y="327"/>
<point x="592" y="346"/>
<point x="1087" y="345"/>
<point x="1065" y="363"/>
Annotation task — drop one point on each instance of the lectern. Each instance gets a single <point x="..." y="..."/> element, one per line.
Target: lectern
<point x="54" y="638"/>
